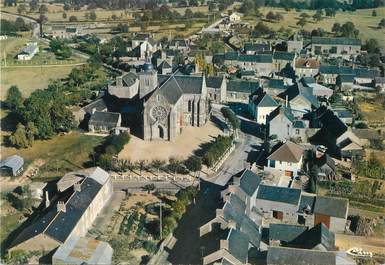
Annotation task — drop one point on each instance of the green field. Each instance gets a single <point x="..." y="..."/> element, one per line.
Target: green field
<point x="61" y="154"/>
<point x="362" y="19"/>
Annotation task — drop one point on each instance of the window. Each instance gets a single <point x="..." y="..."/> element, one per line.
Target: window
<point x="296" y="131"/>
<point x="189" y="106"/>
<point x="157" y="98"/>
<point x="147" y="81"/>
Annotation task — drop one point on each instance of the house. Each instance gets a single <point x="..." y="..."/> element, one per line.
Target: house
<point x="164" y="67"/>
<point x="104" y="122"/>
<point x="295" y="43"/>
<point x="261" y="105"/>
<point x="318" y="89"/>
<point x="287" y="158"/>
<point x="345" y="82"/>
<point x="278" y="203"/>
<point x="365" y="76"/>
<point x="225" y="246"/>
<point x="274" y="86"/>
<point x="282" y="59"/>
<point x="283" y="234"/>
<point x="300" y="97"/>
<point x="81" y="250"/>
<point x="298" y="256"/>
<point x="262" y="64"/>
<point x="179" y="44"/>
<point x="306" y="67"/>
<point x="216" y="88"/>
<point x="240" y="90"/>
<point x="12" y="166"/>
<point x="335" y="47"/>
<point x="85" y="112"/>
<point x="344" y="114"/>
<point x="28" y="52"/>
<point x="326" y="167"/>
<point x="66" y="32"/>
<point x="72" y="214"/>
<point x="379" y="82"/>
<point x="255" y="48"/>
<point x="332" y="212"/>
<point x="328" y="73"/>
<point x="235" y="17"/>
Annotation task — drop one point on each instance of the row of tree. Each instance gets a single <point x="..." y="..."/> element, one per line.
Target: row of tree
<point x="11" y="27"/>
<point x="216" y="149"/>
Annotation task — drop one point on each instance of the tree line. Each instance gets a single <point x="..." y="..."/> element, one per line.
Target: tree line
<point x="8" y="27"/>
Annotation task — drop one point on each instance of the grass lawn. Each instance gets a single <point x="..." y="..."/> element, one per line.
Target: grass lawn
<point x="61" y="154"/>
<point x="28" y="79"/>
<point x="371" y="107"/>
<point x="362" y="19"/>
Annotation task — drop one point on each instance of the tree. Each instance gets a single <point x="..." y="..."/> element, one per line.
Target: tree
<point x="22" y="8"/>
<point x="301" y="22"/>
<point x="33" y="5"/>
<point x="382" y="23"/>
<point x="66" y="52"/>
<point x="330" y="12"/>
<point x="114" y="17"/>
<point x="374" y="13"/>
<point x="41" y="20"/>
<point x="149" y="187"/>
<point x="19" y="137"/>
<point x="64" y="15"/>
<point x="193" y="163"/>
<point x="304" y="15"/>
<point x="43" y="9"/>
<point x="73" y="19"/>
<point x="336" y="27"/>
<point x="318" y="15"/>
<point x="348" y="30"/>
<point x="14" y="100"/>
<point x="93" y="15"/>
<point x="157" y="164"/>
<point x="141" y="165"/>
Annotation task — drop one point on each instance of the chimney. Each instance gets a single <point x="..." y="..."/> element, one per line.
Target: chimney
<point x="287" y="101"/>
<point x="77" y="187"/>
<point x="93" y="110"/>
<point x="46" y="199"/>
<point x="119" y="81"/>
<point x="61" y="207"/>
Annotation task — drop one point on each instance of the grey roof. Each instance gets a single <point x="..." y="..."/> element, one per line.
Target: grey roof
<point x="249" y="182"/>
<point x="98" y="105"/>
<point x="345" y="78"/>
<point x="336" y="41"/>
<point x="285" y="232"/>
<point x="281" y="110"/>
<point x="315" y="236"/>
<point x="256" y="58"/>
<point x="30" y="48"/>
<point x="275" y="84"/>
<point x="234" y="209"/>
<point x="297" y="256"/>
<point x="279" y="194"/>
<point x="104" y="118"/>
<point x="251" y="230"/>
<point x="214" y="81"/>
<point x="80" y="250"/>
<point x="164" y="65"/>
<point x="14" y="162"/>
<point x="129" y="79"/>
<point x="298" y="89"/>
<point x="285" y="56"/>
<point x="336" y="207"/>
<point x="306" y="80"/>
<point x="256" y="47"/>
<point x="171" y="90"/>
<point x="366" y="72"/>
<point x="174" y="86"/>
<point x="334" y="69"/>
<point x="238" y="245"/>
<point x="242" y="86"/>
<point x="231" y="56"/>
<point x="264" y="100"/>
<point x="306" y="204"/>
<point x="299" y="124"/>
<point x="59" y="225"/>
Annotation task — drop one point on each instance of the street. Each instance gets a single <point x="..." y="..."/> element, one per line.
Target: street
<point x="132" y="186"/>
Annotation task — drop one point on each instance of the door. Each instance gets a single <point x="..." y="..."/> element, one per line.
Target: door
<point x="288" y="173"/>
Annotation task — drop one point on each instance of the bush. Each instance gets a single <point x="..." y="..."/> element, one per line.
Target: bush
<point x="216" y="149"/>
<point x="150" y="246"/>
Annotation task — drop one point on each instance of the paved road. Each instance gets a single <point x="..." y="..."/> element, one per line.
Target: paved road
<point x="245" y="153"/>
<point x="35" y="25"/>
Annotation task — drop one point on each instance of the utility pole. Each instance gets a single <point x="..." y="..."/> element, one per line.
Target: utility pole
<point x="160" y="220"/>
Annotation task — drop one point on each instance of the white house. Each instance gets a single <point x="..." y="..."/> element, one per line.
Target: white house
<point x="28" y="52"/>
<point x="287" y="158"/>
<point x="261" y="106"/>
<point x="235" y="17"/>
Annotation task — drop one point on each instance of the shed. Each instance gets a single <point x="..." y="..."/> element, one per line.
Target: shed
<point x="12" y="165"/>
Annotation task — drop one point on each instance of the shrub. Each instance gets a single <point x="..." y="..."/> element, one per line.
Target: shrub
<point x="216" y="149"/>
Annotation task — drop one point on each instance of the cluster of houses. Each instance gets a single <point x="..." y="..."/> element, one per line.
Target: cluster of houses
<point x="287" y="223"/>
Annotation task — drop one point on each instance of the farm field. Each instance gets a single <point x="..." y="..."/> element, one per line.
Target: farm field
<point x="362" y="19"/>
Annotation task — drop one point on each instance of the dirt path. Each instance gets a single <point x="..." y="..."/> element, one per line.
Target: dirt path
<point x="373" y="244"/>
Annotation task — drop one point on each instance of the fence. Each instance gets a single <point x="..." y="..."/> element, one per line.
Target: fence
<point x="9" y="63"/>
<point x="225" y="155"/>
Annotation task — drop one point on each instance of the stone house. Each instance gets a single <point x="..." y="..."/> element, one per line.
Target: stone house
<point x="274" y="86"/>
<point x="104" y="122"/>
<point x="216" y="88"/>
<point x="262" y="64"/>
<point x="255" y="48"/>
<point x="345" y="82"/>
<point x="332" y="212"/>
<point x="240" y="90"/>
<point x="287" y="158"/>
<point x="300" y="98"/>
<point x="328" y="73"/>
<point x="335" y="47"/>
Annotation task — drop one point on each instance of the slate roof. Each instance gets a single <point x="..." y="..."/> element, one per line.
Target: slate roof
<point x="284" y="56"/>
<point x="243" y="86"/>
<point x="214" y="81"/>
<point x="59" y="225"/>
<point x="256" y="58"/>
<point x="334" y="69"/>
<point x="256" y="47"/>
<point x="249" y="182"/>
<point x="288" y="152"/>
<point x="30" y="48"/>
<point x="164" y="65"/>
<point x="279" y="194"/>
<point x="234" y="209"/>
<point x="275" y="84"/>
<point x="104" y="118"/>
<point x="316" y="235"/>
<point x="285" y="232"/>
<point x="299" y="124"/>
<point x="336" y="41"/>
<point x="238" y="245"/>
<point x="14" y="162"/>
<point x="306" y="204"/>
<point x="366" y="72"/>
<point x="264" y="100"/>
<point x="251" y="230"/>
<point x="129" y="79"/>
<point x="98" y="105"/>
<point x="335" y="207"/>
<point x="297" y="256"/>
<point x="330" y="122"/>
<point x="306" y="80"/>
<point x="300" y="90"/>
<point x="231" y="56"/>
<point x="281" y="110"/>
<point x="345" y="78"/>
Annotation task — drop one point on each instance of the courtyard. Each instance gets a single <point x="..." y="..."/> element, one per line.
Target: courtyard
<point x="191" y="139"/>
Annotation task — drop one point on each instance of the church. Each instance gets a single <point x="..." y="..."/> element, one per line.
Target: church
<point x="163" y="104"/>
